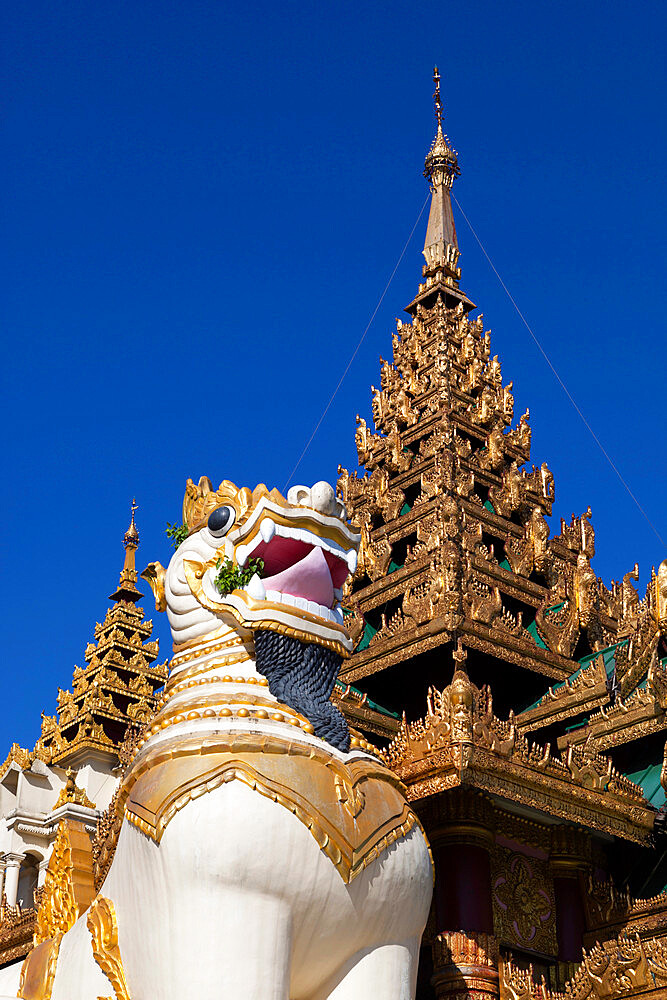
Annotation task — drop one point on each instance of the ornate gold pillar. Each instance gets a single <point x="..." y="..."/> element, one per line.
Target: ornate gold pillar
<point x="466" y="966"/>
<point x="569" y="860"/>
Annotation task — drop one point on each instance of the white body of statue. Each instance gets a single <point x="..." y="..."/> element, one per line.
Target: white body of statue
<point x="256" y="860"/>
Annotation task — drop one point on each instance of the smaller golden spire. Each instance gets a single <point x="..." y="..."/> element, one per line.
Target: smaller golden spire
<point x="127" y="587"/>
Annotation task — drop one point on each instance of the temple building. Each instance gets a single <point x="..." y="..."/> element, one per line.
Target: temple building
<point x="529" y="699"/>
<point x="521" y="701"/>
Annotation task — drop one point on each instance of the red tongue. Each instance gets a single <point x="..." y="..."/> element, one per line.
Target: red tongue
<point x="309" y="579"/>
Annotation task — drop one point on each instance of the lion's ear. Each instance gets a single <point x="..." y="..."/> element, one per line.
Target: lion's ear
<point x="155" y="574"/>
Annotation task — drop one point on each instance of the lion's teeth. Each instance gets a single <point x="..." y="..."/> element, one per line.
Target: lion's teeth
<point x="351" y="560"/>
<point x="241" y="555"/>
<point x="267" y="529"/>
<point x="338" y="614"/>
<point x="256" y="589"/>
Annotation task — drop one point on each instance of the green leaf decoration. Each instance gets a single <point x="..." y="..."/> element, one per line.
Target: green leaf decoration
<point x="176" y="533"/>
<point x="231" y="577"/>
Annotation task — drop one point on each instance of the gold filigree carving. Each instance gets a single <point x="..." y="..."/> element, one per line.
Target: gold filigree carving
<point x="583" y="692"/>
<point x="521" y="490"/>
<point x="370" y="447"/>
<point x="201" y="499"/>
<point x="103" y="927"/>
<point x="17" y="927"/>
<point x="482" y="602"/>
<point x="68" y="886"/>
<point x="460" y="740"/>
<point x="558" y="624"/>
<point x="72" y="793"/>
<point x="531" y="551"/>
<point x="524" y="907"/>
<point x="374" y="555"/>
<point x="355" y="624"/>
<point x="634" y="656"/>
<point x="624" y="967"/>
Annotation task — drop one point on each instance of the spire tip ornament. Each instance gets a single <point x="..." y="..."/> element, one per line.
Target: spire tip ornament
<point x="131" y="536"/>
<point x="437" y="100"/>
<point x="127" y="586"/>
<point x="442" y="158"/>
<point x="440" y="168"/>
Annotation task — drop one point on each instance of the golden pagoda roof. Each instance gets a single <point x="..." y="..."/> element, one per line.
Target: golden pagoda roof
<point x="115" y="689"/>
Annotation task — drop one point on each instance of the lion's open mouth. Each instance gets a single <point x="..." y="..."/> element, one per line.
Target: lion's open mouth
<point x="300" y="569"/>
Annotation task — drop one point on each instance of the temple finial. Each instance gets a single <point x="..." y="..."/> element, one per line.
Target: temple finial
<point x="127" y="586"/>
<point x="437" y="100"/>
<point x="440" y="168"/>
<point x="442" y="159"/>
<point x="131" y="536"/>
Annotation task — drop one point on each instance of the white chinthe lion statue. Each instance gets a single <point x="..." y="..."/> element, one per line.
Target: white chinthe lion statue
<point x="261" y="855"/>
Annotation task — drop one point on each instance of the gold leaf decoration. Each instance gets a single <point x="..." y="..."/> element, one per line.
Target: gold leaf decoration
<point x="68" y="886"/>
<point x="103" y="927"/>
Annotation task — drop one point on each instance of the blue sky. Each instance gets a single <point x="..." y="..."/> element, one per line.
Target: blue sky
<point x="202" y="204"/>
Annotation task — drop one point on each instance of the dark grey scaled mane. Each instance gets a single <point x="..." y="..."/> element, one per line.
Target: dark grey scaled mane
<point x="302" y="675"/>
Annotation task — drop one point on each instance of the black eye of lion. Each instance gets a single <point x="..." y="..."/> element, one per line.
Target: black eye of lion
<point x="220" y="520"/>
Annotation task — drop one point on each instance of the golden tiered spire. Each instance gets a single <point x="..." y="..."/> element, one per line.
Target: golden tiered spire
<point x="454" y="537"/>
<point x="452" y="516"/>
<point x="117" y="686"/>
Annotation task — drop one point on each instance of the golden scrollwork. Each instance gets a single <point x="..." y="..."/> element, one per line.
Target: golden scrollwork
<point x="524" y="906"/>
<point x="103" y="927"/>
<point x="374" y="555"/>
<point x="68" y="885"/>
<point x="623" y="967"/>
<point x="201" y="499"/>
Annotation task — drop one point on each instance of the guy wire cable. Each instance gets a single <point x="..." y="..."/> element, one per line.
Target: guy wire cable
<point x="557" y="376"/>
<point x="356" y="350"/>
